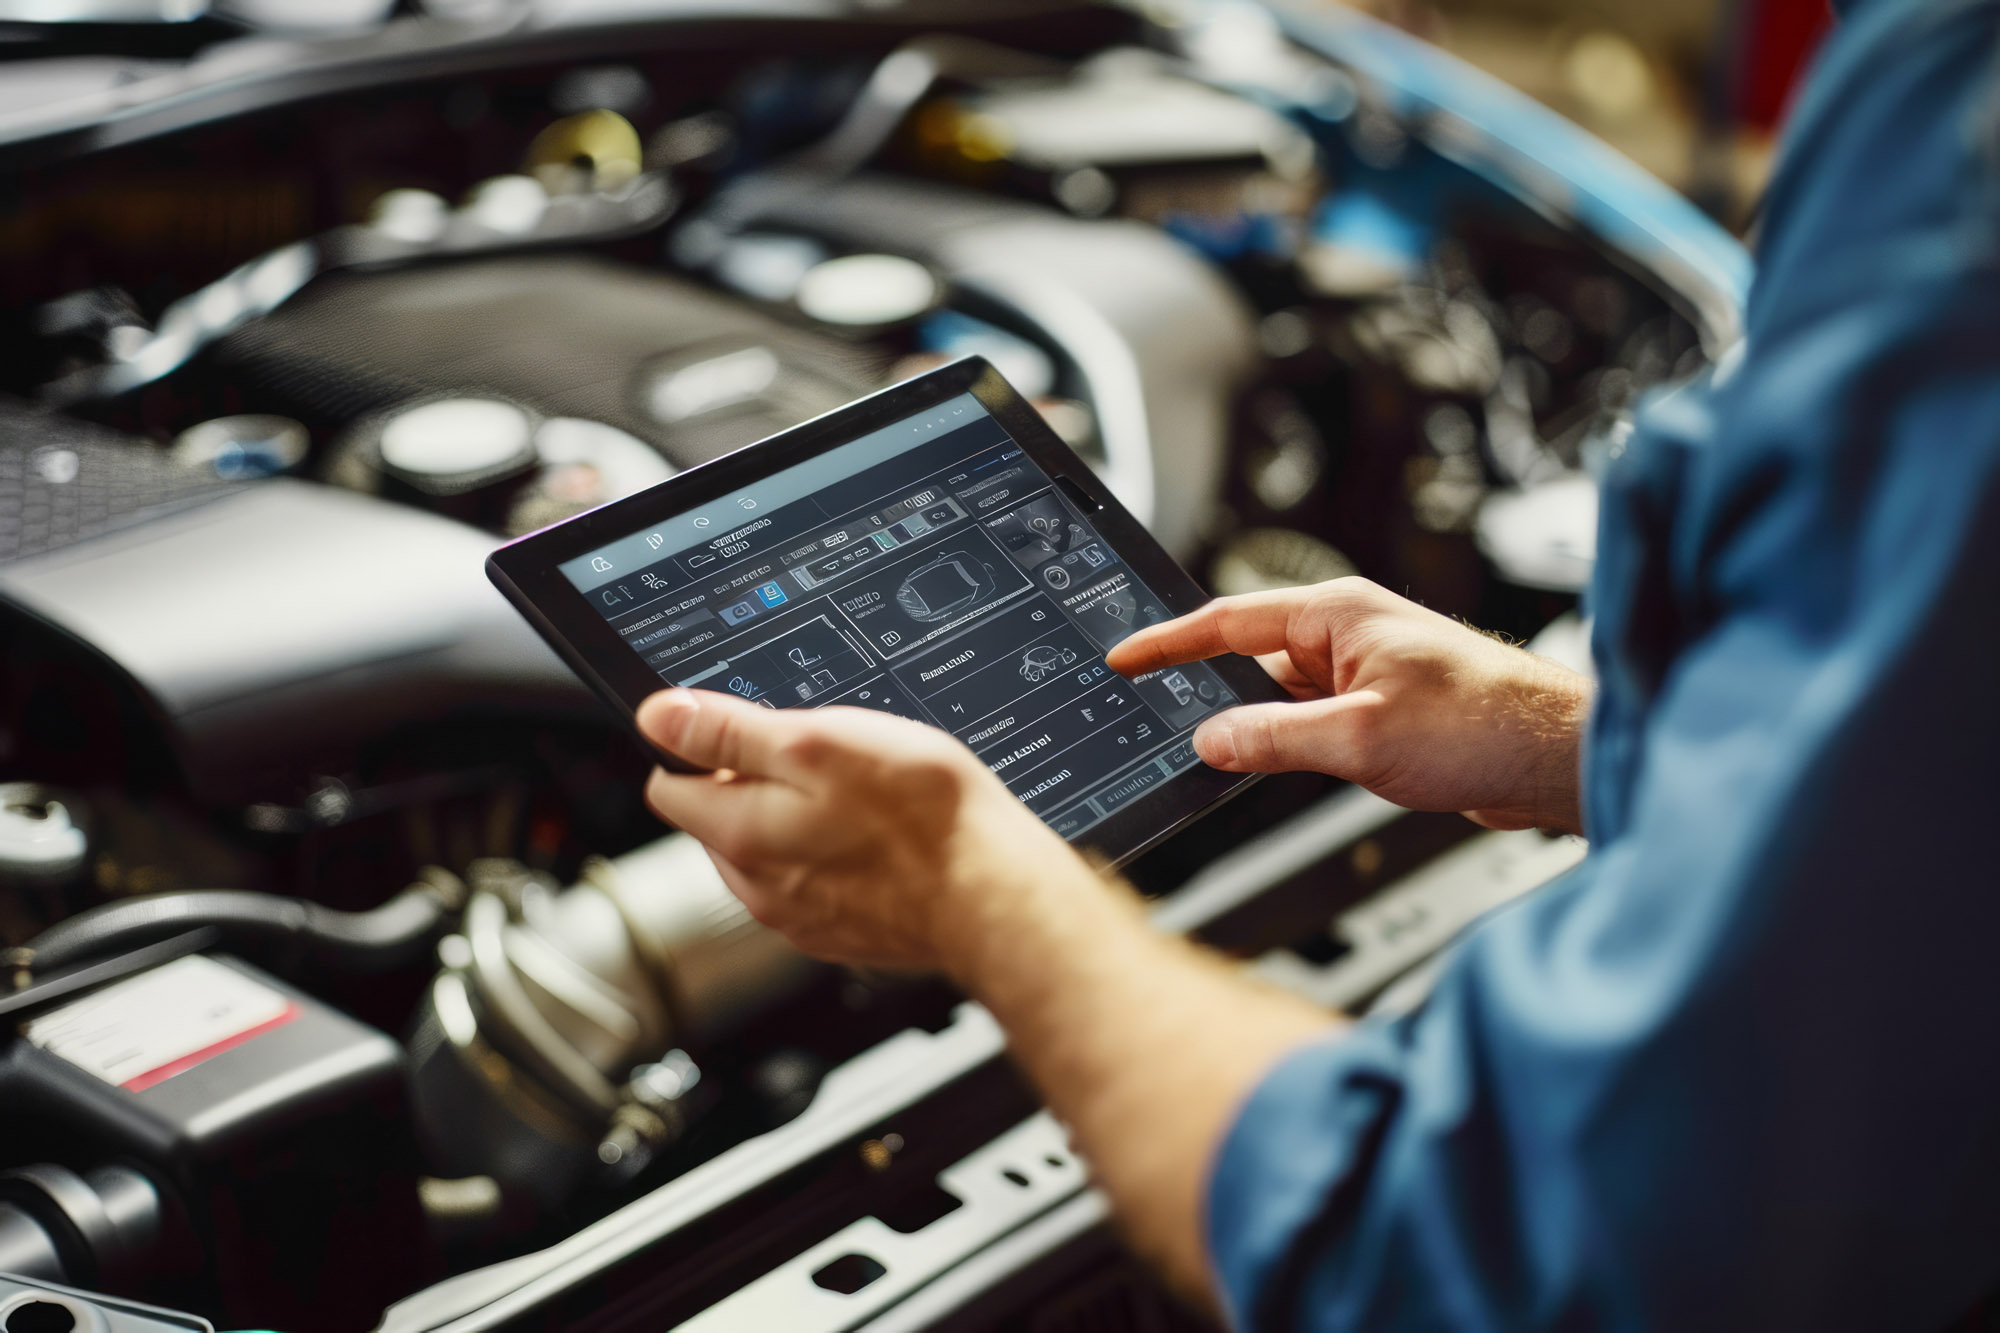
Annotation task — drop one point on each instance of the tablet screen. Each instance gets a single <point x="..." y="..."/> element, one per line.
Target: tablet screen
<point x="929" y="569"/>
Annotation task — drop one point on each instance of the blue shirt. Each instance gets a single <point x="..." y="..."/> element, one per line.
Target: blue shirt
<point x="1741" y="1069"/>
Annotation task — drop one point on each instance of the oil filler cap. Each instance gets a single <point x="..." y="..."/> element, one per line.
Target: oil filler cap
<point x="39" y="839"/>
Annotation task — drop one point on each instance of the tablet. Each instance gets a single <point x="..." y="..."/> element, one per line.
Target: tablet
<point x="932" y="551"/>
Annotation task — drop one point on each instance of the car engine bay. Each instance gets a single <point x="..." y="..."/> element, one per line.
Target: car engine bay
<point x="349" y="982"/>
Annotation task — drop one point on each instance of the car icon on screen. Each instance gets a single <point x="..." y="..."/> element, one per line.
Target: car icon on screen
<point x="948" y="584"/>
<point x="1043" y="661"/>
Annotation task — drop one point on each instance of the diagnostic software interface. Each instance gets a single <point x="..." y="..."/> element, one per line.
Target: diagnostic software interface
<point x="927" y="569"/>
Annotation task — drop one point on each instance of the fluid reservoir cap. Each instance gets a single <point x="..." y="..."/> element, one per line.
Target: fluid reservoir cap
<point x="415" y="216"/>
<point x="510" y="204"/>
<point x="38" y="839"/>
<point x="624" y="464"/>
<point x="241" y="448"/>
<point x="867" y="290"/>
<point x="596" y="149"/>
<point x="456" y="438"/>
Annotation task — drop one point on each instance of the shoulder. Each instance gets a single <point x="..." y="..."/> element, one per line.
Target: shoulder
<point x="1890" y="170"/>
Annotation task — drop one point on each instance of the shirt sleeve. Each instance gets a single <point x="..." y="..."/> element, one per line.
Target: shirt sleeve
<point x="1736" y="1071"/>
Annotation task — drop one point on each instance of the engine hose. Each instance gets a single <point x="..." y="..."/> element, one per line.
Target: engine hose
<point x="399" y="932"/>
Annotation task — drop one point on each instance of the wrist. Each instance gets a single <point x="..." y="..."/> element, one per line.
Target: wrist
<point x="1015" y="893"/>
<point x="1556" y="791"/>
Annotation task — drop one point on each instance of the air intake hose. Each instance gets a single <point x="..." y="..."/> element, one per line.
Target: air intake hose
<point x="400" y="932"/>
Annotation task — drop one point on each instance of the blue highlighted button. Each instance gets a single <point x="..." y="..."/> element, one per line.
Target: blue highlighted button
<point x="772" y="594"/>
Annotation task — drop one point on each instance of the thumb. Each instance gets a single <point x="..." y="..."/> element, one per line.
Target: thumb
<point x="1322" y="735"/>
<point x="712" y="730"/>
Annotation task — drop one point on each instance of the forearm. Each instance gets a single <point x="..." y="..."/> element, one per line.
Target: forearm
<point x="872" y="839"/>
<point x="1143" y="1044"/>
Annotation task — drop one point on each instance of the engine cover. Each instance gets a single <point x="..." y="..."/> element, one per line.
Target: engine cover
<point x="277" y="620"/>
<point x="568" y="335"/>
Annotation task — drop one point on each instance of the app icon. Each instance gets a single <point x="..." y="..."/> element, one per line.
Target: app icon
<point x="1039" y="663"/>
<point x="949" y="584"/>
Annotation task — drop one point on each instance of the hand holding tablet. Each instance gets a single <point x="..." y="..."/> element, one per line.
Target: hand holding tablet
<point x="932" y="551"/>
<point x="868" y="839"/>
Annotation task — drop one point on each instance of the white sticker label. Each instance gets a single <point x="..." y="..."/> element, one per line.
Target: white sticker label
<point x="148" y="1028"/>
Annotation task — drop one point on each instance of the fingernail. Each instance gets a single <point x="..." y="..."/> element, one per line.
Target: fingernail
<point x="1215" y="742"/>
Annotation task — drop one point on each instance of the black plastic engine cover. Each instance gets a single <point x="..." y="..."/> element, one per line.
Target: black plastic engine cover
<point x="279" y="621"/>
<point x="568" y="335"/>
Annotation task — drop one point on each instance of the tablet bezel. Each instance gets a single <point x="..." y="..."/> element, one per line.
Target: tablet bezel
<point x="527" y="570"/>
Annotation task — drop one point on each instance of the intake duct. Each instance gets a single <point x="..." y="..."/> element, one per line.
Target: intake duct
<point x="555" y="1042"/>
